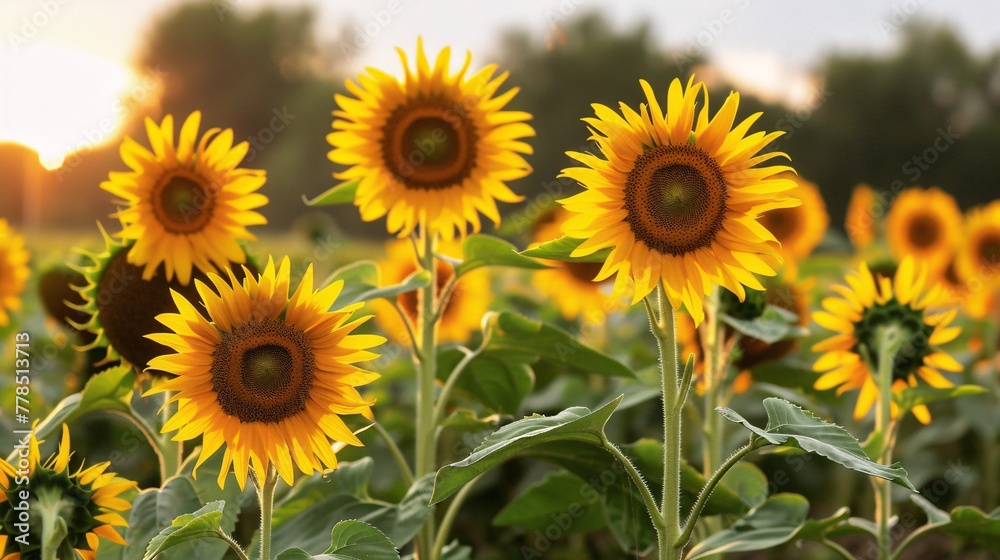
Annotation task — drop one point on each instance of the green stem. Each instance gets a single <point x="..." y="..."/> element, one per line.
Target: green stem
<point x="265" y="494"/>
<point x="707" y="490"/>
<point x="449" y="517"/>
<point x="713" y="375"/>
<point x="237" y="549"/>
<point x="841" y="551"/>
<point x="640" y="483"/>
<point x="449" y="384"/>
<point x="171" y="452"/>
<point x="888" y="345"/>
<point x="397" y="454"/>
<point x="911" y="538"/>
<point x="425" y="452"/>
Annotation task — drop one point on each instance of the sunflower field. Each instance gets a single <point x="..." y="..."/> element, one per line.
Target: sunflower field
<point x="680" y="354"/>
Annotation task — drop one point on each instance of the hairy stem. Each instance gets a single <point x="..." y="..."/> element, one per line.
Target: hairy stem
<point x="427" y="374"/>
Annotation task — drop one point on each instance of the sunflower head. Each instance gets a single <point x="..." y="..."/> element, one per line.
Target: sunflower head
<point x="461" y="315"/>
<point x="120" y="305"/>
<point x="435" y="148"/>
<point x="867" y="308"/>
<point x="13" y="271"/>
<point x="88" y="501"/>
<point x="267" y="374"/>
<point x="925" y="223"/>
<point x="792" y="297"/>
<point x="186" y="205"/>
<point x="861" y="224"/>
<point x="978" y="258"/>
<point x="677" y="196"/>
<point x="799" y="229"/>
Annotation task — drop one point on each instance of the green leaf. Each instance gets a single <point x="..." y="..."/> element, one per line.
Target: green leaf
<point x="561" y="249"/>
<point x="773" y="325"/>
<point x="514" y="336"/>
<point x="355" y="539"/>
<point x="465" y="420"/>
<point x="556" y="500"/>
<point x="204" y="523"/>
<point x="485" y="250"/>
<point x="110" y="389"/>
<point x="790" y="425"/>
<point x="359" y="277"/>
<point x="499" y="384"/>
<point x="965" y="522"/>
<point x="338" y="194"/>
<point x="748" y="482"/>
<point x="573" y="424"/>
<point x="413" y="282"/>
<point x="935" y="516"/>
<point x="911" y="397"/>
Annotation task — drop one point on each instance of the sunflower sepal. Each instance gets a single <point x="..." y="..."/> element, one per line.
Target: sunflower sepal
<point x="563" y="249"/>
<point x="342" y="193"/>
<point x="482" y="250"/>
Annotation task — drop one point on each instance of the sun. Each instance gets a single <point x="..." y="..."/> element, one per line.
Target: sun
<point x="66" y="100"/>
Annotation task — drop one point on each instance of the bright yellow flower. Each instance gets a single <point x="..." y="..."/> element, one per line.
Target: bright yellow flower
<point x="866" y="305"/>
<point x="978" y="258"/>
<point x="89" y="501"/>
<point x="926" y="224"/>
<point x="435" y="148"/>
<point x="189" y="204"/>
<point x="13" y="271"/>
<point x="799" y="229"/>
<point x="266" y="374"/>
<point x="677" y="198"/>
<point x="861" y="223"/>
<point x="462" y="314"/>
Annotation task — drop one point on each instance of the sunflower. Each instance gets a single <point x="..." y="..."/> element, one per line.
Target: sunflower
<point x="120" y="307"/>
<point x="435" y="148"/>
<point x="462" y="314"/>
<point x="187" y="205"/>
<point x="570" y="285"/>
<point x="266" y="374"/>
<point x="88" y="501"/>
<point x="926" y="224"/>
<point x="866" y="306"/>
<point x="860" y="223"/>
<point x="13" y="271"/>
<point x="677" y="197"/>
<point x="978" y="258"/>
<point x="799" y="229"/>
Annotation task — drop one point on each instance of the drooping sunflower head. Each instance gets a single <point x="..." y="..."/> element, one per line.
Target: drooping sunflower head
<point x="186" y="205"/>
<point x="861" y="223"/>
<point x="790" y="296"/>
<point x="120" y="305"/>
<point x="570" y="285"/>
<point x="13" y="271"/>
<point x="677" y="196"/>
<point x="435" y="148"/>
<point x="462" y="313"/>
<point x="799" y="229"/>
<point x="866" y="308"/>
<point x="925" y="223"/>
<point x="266" y="374"/>
<point x="978" y="258"/>
<point x="88" y="501"/>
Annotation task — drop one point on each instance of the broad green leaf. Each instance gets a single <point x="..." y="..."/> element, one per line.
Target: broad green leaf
<point x="556" y="500"/>
<point x="355" y="539"/>
<point x="202" y="524"/>
<point x="935" y="516"/>
<point x="485" y="250"/>
<point x="110" y="390"/>
<point x="748" y="482"/>
<point x="514" y="335"/>
<point x="790" y="425"/>
<point x="923" y="394"/>
<point x="965" y="522"/>
<point x="561" y="249"/>
<point x="773" y="325"/>
<point x="465" y="420"/>
<point x="573" y="424"/>
<point x="499" y="384"/>
<point x="338" y="194"/>
<point x="359" y="277"/>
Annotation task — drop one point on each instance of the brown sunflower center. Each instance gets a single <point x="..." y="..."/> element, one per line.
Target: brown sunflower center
<point x="676" y="198"/>
<point x="262" y="371"/>
<point x="182" y="204"/>
<point x="429" y="144"/>
<point x="989" y="251"/>
<point x="583" y="271"/>
<point x="924" y="231"/>
<point x="783" y="223"/>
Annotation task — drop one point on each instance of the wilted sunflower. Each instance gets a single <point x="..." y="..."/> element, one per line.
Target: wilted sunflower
<point x="926" y="224"/>
<point x="860" y="223"/>
<point x="120" y="307"/>
<point x="677" y="197"/>
<point x="13" y="271"/>
<point x="89" y="501"/>
<point x="799" y="229"/>
<point x="462" y="314"/>
<point x="570" y="285"/>
<point x="266" y="374"/>
<point x="435" y="148"/>
<point x="865" y="307"/>
<point x="187" y="205"/>
<point x="978" y="256"/>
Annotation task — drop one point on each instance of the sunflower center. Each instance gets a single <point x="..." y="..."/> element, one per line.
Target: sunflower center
<point x="924" y="231"/>
<point x="583" y="271"/>
<point x="676" y="198"/>
<point x="908" y="322"/>
<point x="783" y="222"/>
<point x="989" y="251"/>
<point x="182" y="204"/>
<point x="428" y="144"/>
<point x="263" y="371"/>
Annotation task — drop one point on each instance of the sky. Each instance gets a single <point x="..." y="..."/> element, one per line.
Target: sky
<point x="765" y="47"/>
